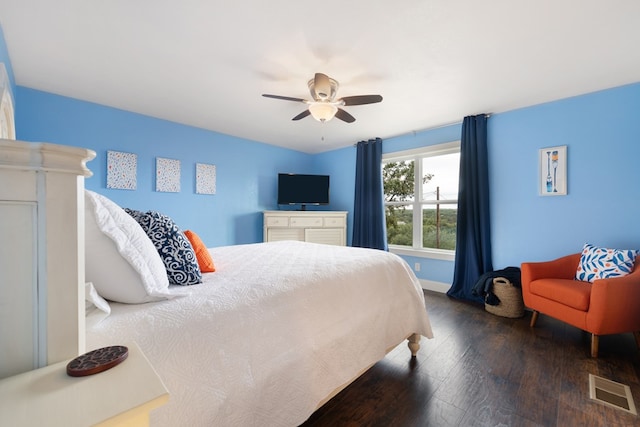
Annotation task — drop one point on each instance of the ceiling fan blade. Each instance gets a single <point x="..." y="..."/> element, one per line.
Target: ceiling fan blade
<point x="302" y="115"/>
<point x="344" y="116"/>
<point x="286" y="98"/>
<point x="322" y="86"/>
<point x="361" y="99"/>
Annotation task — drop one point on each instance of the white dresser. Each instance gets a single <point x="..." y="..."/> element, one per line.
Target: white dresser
<point x="328" y="227"/>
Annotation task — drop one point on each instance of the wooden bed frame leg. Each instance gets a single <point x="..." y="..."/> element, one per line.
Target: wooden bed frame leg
<point x="414" y="344"/>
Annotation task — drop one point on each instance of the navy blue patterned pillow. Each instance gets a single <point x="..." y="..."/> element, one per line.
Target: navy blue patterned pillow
<point x="135" y="214"/>
<point x="173" y="246"/>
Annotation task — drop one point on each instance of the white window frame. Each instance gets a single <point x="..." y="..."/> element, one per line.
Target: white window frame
<point x="417" y="154"/>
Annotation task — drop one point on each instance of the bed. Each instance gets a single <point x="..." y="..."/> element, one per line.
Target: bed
<point x="272" y="334"/>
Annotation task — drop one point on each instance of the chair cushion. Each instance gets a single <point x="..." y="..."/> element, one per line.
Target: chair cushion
<point x="569" y="292"/>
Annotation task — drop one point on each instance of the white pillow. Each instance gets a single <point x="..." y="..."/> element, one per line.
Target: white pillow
<point x="120" y="260"/>
<point x="96" y="309"/>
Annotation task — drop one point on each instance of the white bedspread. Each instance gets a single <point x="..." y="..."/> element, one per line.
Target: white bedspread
<point x="271" y="333"/>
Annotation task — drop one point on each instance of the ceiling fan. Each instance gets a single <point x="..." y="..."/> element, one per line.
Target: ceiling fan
<point x="324" y="105"/>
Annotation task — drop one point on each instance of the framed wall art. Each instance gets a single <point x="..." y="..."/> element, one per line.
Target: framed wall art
<point x="553" y="171"/>
<point x="122" y="169"/>
<point x="205" y="178"/>
<point x="167" y="175"/>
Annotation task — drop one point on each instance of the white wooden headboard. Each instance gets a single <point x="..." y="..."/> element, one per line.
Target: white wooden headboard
<point x="41" y="254"/>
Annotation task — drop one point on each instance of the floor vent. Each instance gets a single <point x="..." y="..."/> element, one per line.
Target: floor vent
<point x="611" y="394"/>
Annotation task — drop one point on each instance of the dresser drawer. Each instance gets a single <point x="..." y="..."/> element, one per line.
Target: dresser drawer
<point x="277" y="221"/>
<point x="333" y="222"/>
<point x="326" y="236"/>
<point x="298" y="221"/>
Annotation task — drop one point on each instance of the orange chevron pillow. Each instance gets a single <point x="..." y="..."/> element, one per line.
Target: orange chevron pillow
<point x="205" y="262"/>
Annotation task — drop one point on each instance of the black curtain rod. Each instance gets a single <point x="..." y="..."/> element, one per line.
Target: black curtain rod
<point x="414" y="132"/>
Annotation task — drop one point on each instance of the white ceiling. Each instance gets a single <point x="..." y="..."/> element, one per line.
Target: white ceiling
<point x="206" y="63"/>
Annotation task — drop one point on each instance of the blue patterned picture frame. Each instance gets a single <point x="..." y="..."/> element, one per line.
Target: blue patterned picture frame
<point x="553" y="171"/>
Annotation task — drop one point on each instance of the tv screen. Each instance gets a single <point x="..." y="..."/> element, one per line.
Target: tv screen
<point x="303" y="189"/>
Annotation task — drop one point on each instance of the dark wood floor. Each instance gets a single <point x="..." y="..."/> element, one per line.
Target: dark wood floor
<point x="486" y="370"/>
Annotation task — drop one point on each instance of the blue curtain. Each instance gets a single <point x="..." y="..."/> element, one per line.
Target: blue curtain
<point x="473" y="236"/>
<point x="369" y="226"/>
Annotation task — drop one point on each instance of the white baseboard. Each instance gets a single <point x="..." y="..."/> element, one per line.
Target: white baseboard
<point x="431" y="285"/>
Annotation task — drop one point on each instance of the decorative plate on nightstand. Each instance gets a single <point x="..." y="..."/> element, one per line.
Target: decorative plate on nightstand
<point x="96" y="361"/>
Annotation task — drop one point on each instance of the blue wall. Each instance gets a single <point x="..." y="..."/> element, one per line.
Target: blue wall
<point x="340" y="165"/>
<point x="602" y="205"/>
<point x="601" y="133"/>
<point x="246" y="170"/>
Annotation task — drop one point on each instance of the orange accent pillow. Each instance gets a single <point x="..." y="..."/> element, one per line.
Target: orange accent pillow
<point x="205" y="262"/>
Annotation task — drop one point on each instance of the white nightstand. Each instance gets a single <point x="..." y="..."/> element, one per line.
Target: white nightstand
<point x="121" y="396"/>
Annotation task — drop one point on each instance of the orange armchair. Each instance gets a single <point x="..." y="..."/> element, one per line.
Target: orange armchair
<point x="606" y="306"/>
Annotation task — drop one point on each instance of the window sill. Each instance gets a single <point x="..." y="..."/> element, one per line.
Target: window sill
<point x="440" y="254"/>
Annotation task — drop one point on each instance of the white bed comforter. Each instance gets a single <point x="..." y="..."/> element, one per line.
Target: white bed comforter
<point x="271" y="333"/>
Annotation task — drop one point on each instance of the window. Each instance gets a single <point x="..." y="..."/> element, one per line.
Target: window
<point x="421" y="198"/>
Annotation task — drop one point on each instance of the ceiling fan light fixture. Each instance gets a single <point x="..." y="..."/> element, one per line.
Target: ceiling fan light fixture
<point x="324" y="106"/>
<point x="323" y="87"/>
<point x="322" y="111"/>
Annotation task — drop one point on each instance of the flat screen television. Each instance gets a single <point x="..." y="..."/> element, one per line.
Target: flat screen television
<point x="300" y="189"/>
